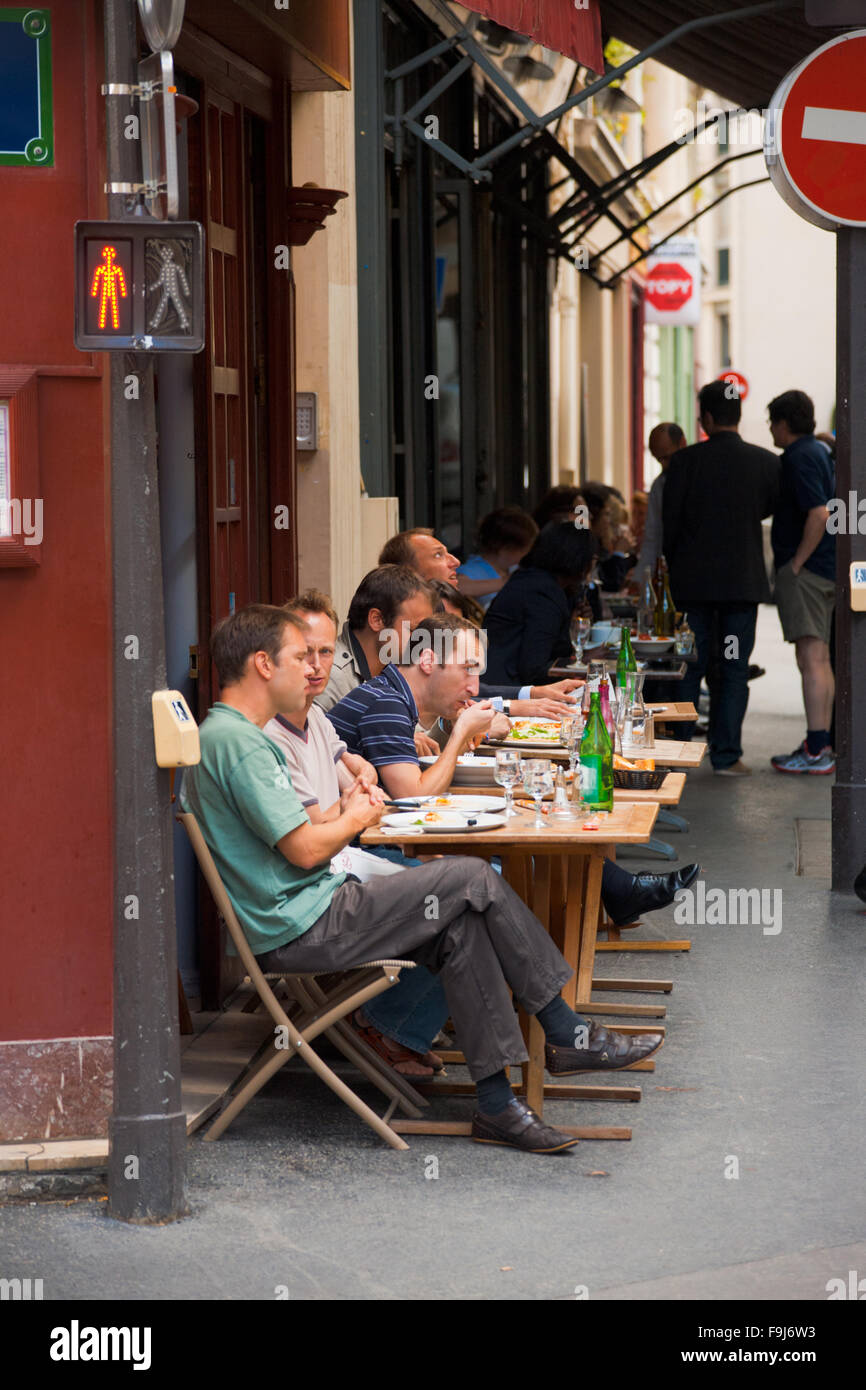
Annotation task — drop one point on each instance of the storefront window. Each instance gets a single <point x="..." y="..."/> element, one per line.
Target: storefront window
<point x="447" y="246"/>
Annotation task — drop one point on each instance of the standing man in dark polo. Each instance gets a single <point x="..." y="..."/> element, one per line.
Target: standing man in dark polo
<point x="804" y="552"/>
<point x="716" y="495"/>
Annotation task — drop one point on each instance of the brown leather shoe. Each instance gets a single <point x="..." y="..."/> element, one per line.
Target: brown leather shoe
<point x="519" y="1127"/>
<point x="607" y="1051"/>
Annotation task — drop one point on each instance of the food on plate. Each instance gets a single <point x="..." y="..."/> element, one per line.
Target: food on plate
<point x="535" y="730"/>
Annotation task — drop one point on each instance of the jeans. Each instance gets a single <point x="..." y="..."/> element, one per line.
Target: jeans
<point x="724" y="638"/>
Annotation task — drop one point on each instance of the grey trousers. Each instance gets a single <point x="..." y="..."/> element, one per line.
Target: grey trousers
<point x="459" y="918"/>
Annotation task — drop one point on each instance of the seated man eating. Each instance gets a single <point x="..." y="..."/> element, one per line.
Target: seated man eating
<point x="388" y="602"/>
<point x="377" y="721"/>
<point x="298" y="917"/>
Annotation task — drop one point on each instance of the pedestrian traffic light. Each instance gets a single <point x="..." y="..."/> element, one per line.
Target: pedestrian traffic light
<point x="139" y="286"/>
<point x="835" y="14"/>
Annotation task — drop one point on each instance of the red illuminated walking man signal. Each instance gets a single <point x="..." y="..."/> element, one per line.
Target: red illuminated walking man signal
<point x="109" y="281"/>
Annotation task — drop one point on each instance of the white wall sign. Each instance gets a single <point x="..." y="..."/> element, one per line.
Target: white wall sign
<point x="673" y="282"/>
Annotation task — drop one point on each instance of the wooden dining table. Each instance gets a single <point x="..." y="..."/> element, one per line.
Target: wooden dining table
<point x="668" y="794"/>
<point x="557" y="871"/>
<point x="666" y="752"/>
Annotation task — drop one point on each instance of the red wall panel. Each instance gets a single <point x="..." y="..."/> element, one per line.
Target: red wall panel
<point x="55" y="691"/>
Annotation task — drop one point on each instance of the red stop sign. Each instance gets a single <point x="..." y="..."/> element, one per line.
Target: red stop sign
<point x="669" y="286"/>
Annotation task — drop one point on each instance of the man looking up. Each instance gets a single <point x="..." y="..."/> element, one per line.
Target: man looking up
<point x="804" y="553"/>
<point x="300" y="918"/>
<point x="715" y="496"/>
<point x="420" y="549"/>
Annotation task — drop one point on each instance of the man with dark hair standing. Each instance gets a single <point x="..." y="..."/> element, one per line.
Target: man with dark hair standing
<point x="716" y="495"/>
<point x="805" y="558"/>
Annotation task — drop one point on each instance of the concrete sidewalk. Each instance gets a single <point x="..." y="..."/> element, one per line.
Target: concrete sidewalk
<point x="761" y="1074"/>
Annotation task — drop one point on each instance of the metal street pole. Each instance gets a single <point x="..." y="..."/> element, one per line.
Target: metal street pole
<point x="147" y="1129"/>
<point x="849" y="792"/>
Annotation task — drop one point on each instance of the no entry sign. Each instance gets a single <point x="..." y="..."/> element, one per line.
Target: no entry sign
<point x="815" y="137"/>
<point x="673" y="283"/>
<point x="738" y="380"/>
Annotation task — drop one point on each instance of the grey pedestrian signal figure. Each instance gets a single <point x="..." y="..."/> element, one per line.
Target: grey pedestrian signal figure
<point x="170" y="277"/>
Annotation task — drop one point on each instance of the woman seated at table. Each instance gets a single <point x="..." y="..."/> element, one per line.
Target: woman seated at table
<point x="606" y="514"/>
<point x="527" y="624"/>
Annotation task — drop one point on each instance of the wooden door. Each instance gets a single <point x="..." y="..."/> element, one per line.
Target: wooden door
<point x="233" y="534"/>
<point x="245" y="444"/>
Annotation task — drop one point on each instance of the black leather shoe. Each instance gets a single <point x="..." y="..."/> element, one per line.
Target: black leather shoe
<point x="607" y="1051"/>
<point x="519" y="1127"/>
<point x="651" y="891"/>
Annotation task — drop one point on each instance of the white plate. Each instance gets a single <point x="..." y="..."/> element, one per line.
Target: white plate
<point x="470" y="771"/>
<point x="464" y="760"/>
<point x="449" y="823"/>
<point x="470" y="804"/>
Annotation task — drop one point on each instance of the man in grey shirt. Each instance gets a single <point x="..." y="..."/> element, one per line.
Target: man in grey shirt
<point x="664" y="441"/>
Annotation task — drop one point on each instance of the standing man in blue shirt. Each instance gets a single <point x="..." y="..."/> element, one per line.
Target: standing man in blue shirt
<point x="804" y="554"/>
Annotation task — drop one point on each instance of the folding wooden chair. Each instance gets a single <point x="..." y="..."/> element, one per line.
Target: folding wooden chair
<point x="319" y="1012"/>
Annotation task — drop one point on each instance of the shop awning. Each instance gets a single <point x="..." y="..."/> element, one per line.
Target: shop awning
<point x="744" y="59"/>
<point x="558" y="24"/>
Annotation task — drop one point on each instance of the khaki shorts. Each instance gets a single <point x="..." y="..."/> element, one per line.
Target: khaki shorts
<point x="806" y="602"/>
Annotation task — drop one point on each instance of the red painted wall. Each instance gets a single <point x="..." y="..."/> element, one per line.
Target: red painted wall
<point x="55" y="692"/>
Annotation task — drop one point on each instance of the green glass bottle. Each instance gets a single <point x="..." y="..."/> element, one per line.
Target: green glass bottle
<point x="627" y="661"/>
<point x="666" y="613"/>
<point x="596" y="761"/>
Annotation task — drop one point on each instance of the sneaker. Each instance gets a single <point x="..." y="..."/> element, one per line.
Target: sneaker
<point x="801" y="760"/>
<point x="737" y="769"/>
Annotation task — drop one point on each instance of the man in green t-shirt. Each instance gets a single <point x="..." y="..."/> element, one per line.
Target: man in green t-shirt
<point x="454" y="915"/>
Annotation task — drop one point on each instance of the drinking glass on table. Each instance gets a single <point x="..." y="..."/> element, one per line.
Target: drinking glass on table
<point x="538" y="779"/>
<point x="579" y="633"/>
<point x="507" y="774"/>
<point x="570" y="733"/>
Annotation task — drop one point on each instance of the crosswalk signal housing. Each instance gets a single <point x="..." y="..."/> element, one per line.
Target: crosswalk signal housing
<point x="139" y="286"/>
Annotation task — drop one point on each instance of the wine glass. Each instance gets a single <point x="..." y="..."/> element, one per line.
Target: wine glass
<point x="538" y="779"/>
<point x="507" y="774"/>
<point x="579" y="633"/>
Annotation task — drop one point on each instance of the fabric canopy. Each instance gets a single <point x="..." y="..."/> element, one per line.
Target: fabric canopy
<point x="558" y="24"/>
<point x="743" y="60"/>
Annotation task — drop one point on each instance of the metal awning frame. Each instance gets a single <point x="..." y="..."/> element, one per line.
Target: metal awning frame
<point x="464" y="39"/>
<point x="590" y="198"/>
